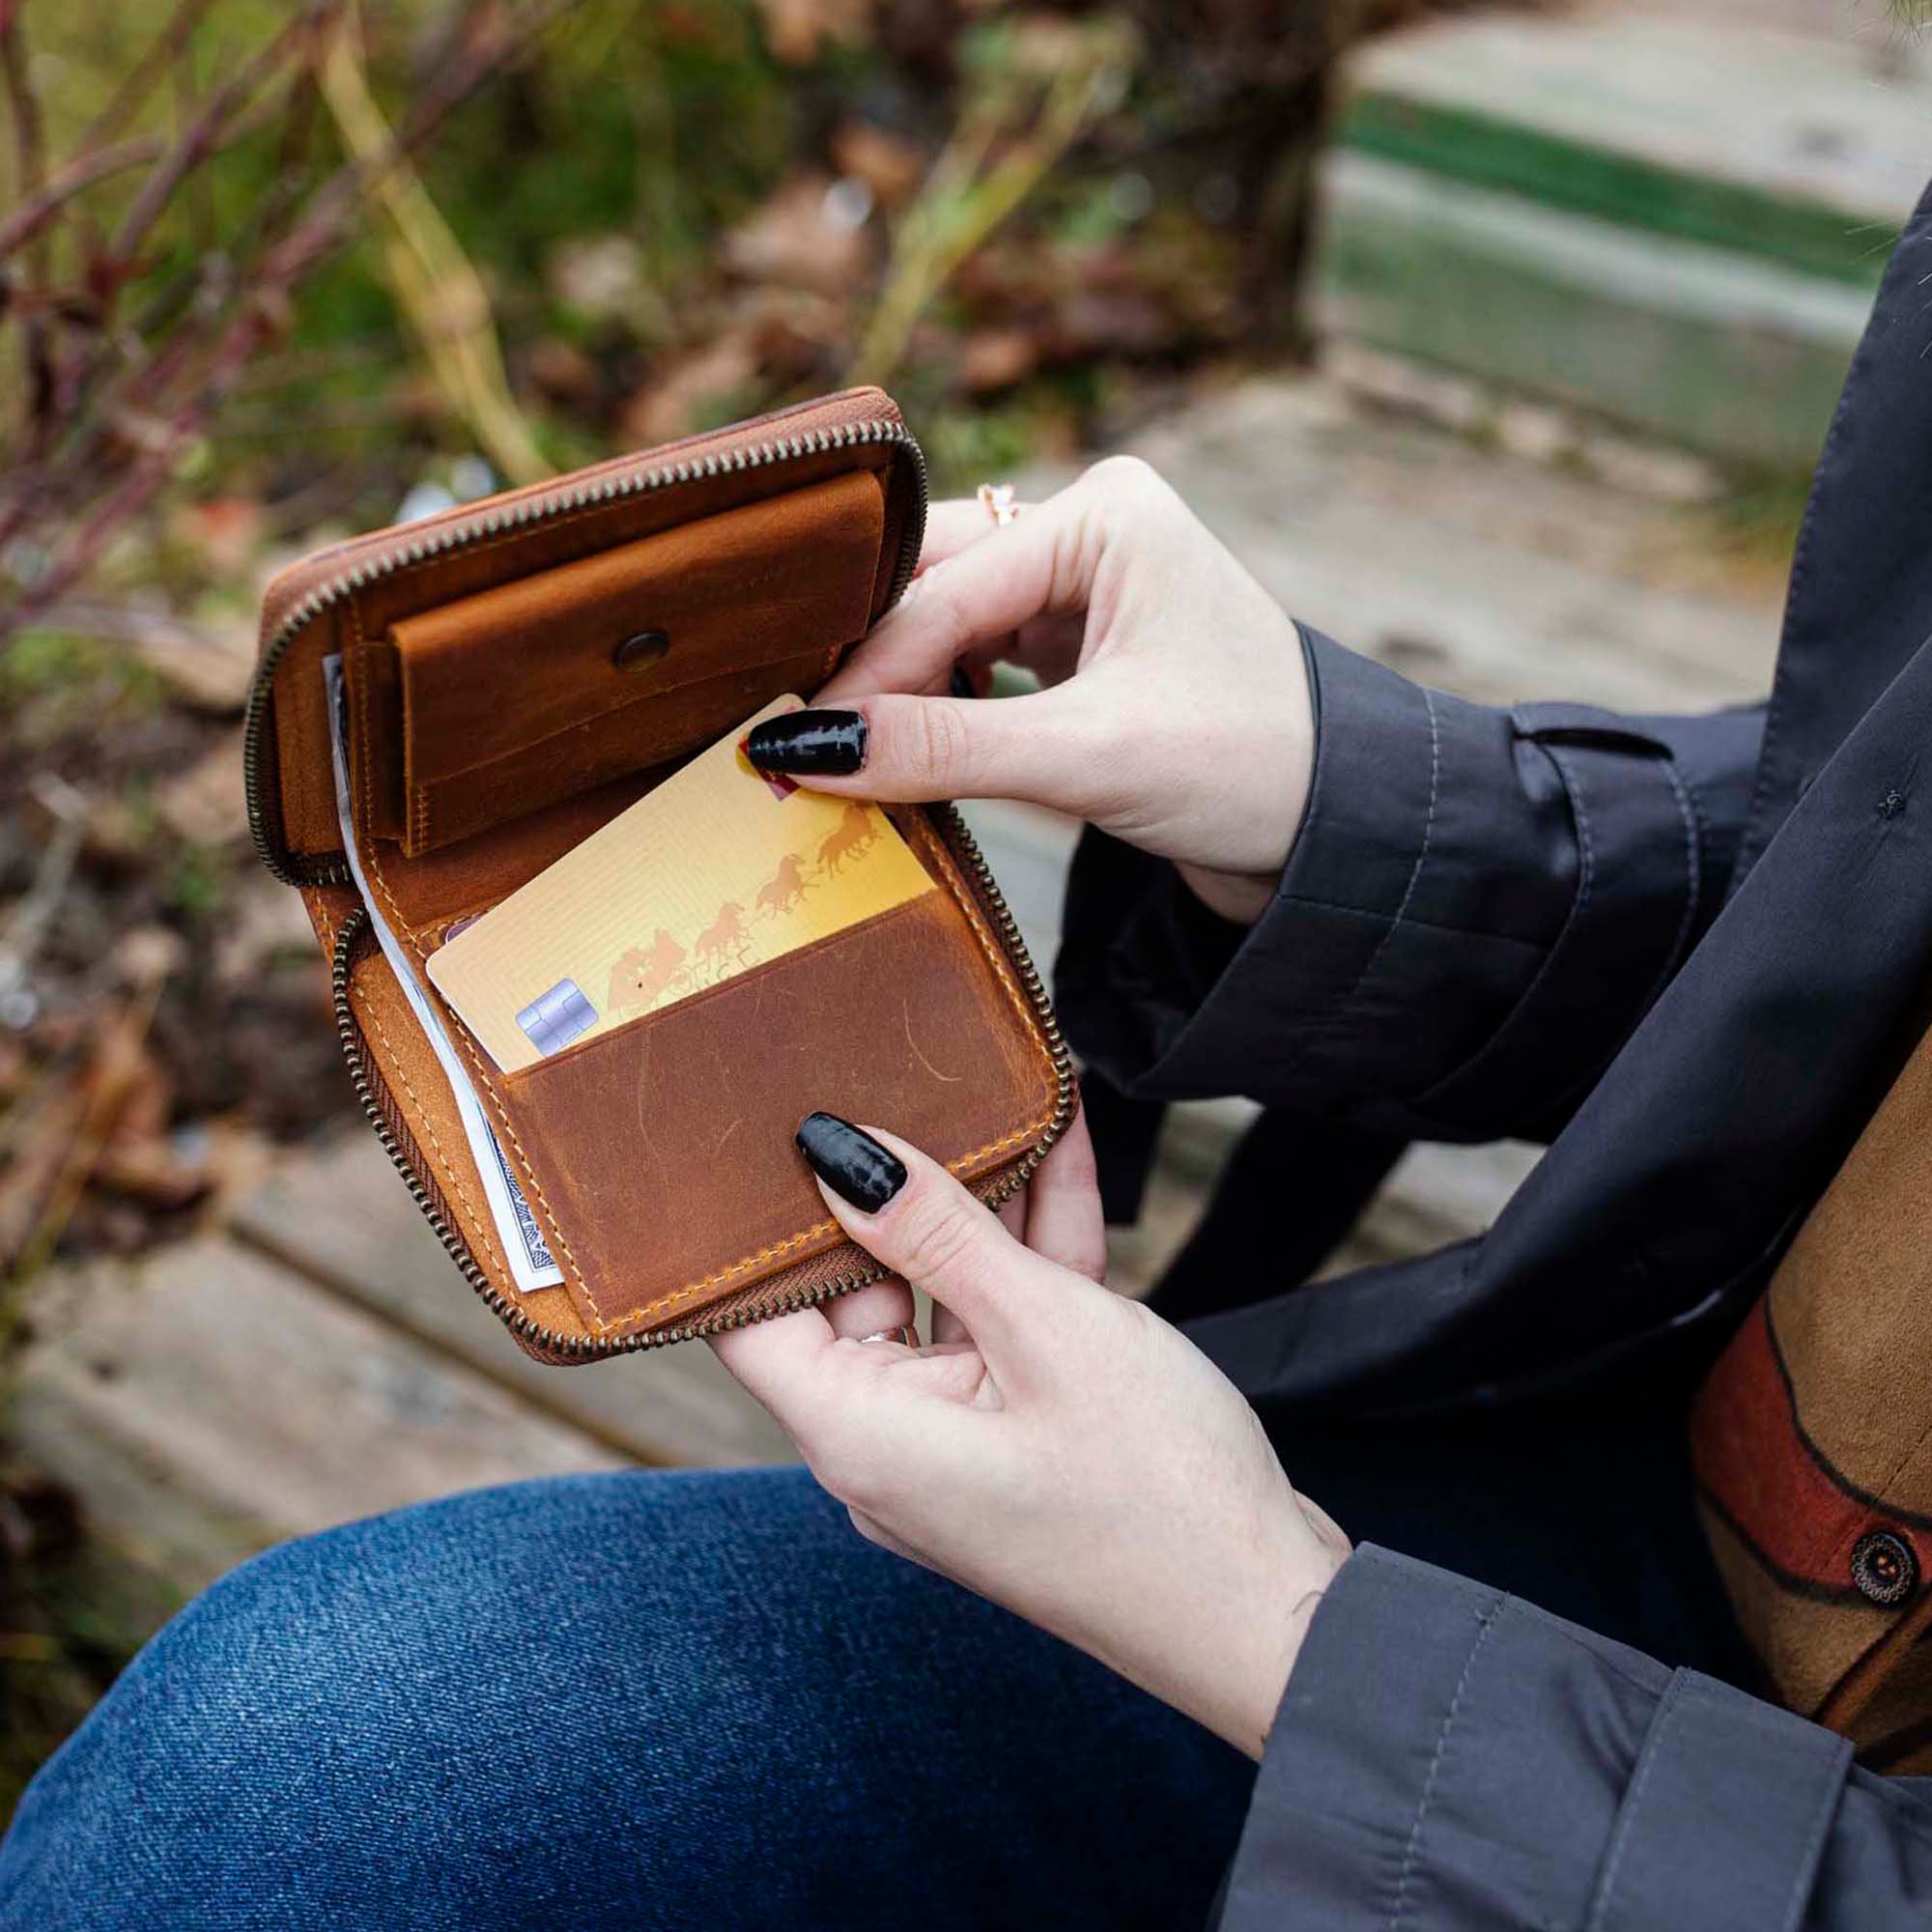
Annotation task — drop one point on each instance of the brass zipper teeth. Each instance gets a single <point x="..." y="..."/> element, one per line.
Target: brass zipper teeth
<point x="460" y="534"/>
<point x="373" y="1094"/>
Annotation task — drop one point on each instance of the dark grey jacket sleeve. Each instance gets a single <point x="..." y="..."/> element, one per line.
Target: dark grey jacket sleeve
<point x="1447" y="1758"/>
<point x="1481" y="904"/>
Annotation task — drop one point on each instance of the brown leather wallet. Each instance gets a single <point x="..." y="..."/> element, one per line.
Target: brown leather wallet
<point x="515" y="673"/>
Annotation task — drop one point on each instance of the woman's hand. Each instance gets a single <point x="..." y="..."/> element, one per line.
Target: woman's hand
<point x="1175" y="712"/>
<point x="1057" y="1448"/>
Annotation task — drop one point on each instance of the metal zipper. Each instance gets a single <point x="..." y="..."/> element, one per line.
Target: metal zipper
<point x="391" y="1128"/>
<point x="458" y="535"/>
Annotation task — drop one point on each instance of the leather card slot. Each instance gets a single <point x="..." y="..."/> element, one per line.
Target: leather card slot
<point x="526" y="694"/>
<point x="662" y="1157"/>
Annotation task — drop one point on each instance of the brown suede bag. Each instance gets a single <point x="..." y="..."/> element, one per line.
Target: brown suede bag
<point x="515" y="673"/>
<point x="1812" y="1442"/>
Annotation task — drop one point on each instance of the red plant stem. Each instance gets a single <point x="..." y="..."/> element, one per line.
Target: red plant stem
<point x="164" y="52"/>
<point x="35" y="212"/>
<point x="264" y="314"/>
<point x="203" y="135"/>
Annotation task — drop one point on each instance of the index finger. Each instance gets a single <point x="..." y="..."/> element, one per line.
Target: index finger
<point x="1042" y="564"/>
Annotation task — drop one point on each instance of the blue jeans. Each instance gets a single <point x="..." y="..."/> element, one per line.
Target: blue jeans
<point x="702" y="1700"/>
<point x="641" y="1701"/>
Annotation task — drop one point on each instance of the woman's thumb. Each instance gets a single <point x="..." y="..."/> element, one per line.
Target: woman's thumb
<point x="890" y="747"/>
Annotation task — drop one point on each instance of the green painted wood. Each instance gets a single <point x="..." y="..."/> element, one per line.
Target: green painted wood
<point x="1508" y="157"/>
<point x="1808" y="149"/>
<point x="1712" y="349"/>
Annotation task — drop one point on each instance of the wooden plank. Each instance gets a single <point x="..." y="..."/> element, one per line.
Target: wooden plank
<point x="342" y="1217"/>
<point x="1834" y="125"/>
<point x="1437" y="1195"/>
<point x="270" y="1401"/>
<point x="1693" y="346"/>
<point x="135" y="1504"/>
<point x="1489" y="576"/>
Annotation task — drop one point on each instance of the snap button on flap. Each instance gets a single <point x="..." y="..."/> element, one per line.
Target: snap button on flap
<point x="1885" y="1567"/>
<point x="640" y="648"/>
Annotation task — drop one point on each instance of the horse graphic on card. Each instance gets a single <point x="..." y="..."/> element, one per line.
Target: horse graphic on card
<point x="645" y="974"/>
<point x="784" y="888"/>
<point x="851" y="837"/>
<point x="725" y="941"/>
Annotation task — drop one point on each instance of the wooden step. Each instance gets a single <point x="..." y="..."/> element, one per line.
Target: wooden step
<point x="1489" y="575"/>
<point x="1798" y="149"/>
<point x="206" y="1400"/>
<point x="343" y="1218"/>
<point x="1676" y="223"/>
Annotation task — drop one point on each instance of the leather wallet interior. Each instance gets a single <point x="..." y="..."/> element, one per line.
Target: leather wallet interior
<point x="518" y="671"/>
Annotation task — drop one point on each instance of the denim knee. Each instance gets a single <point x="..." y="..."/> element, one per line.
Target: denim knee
<point x="342" y="1693"/>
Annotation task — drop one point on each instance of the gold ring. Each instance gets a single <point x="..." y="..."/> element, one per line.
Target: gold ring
<point x="907" y="1337"/>
<point x="1001" y="501"/>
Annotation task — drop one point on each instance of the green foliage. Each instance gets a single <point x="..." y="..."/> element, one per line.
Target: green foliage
<point x="51" y="680"/>
<point x="967" y="448"/>
<point x="635" y="195"/>
<point x="199" y="884"/>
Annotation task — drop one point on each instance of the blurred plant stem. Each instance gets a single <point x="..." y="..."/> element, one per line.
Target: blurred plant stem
<point x="435" y="282"/>
<point x="114" y="398"/>
<point x="987" y="169"/>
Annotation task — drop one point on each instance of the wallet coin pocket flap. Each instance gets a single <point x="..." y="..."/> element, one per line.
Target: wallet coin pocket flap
<point x="546" y="686"/>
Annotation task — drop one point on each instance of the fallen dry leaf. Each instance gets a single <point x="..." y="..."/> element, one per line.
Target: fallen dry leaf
<point x="676" y="401"/>
<point x="151" y="1171"/>
<point x="796" y="29"/>
<point x="263" y="921"/>
<point x="799" y="239"/>
<point x="206" y="665"/>
<point x="562" y="371"/>
<point x="226" y="531"/>
<point x="204" y="804"/>
<point x="601" y="277"/>
<point x="887" y="163"/>
<point x="996" y="358"/>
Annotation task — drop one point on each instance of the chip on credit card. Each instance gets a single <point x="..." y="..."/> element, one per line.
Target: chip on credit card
<point x="720" y="870"/>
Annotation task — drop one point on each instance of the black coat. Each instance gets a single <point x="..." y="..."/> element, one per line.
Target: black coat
<point x="1694" y="951"/>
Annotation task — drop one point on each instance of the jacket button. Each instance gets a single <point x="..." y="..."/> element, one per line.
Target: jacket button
<point x="643" y="647"/>
<point x="1885" y="1567"/>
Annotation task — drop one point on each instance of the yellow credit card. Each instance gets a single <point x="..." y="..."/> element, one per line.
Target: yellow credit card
<point x="720" y="870"/>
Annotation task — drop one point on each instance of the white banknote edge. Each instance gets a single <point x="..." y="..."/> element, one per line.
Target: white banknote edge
<point x="531" y="1263"/>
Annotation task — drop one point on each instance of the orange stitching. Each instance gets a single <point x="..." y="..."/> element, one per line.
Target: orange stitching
<point x="563" y="1247"/>
<point x="397" y="922"/>
<point x="359" y="786"/>
<point x="953" y="883"/>
<point x="419" y="803"/>
<point x="696" y="1288"/>
<point x="523" y="1160"/>
<point x="599" y="1324"/>
<point x="429" y="1127"/>
<point x="996" y="958"/>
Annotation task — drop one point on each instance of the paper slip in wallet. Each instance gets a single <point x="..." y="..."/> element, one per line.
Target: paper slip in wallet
<point x="574" y="936"/>
<point x="715" y="872"/>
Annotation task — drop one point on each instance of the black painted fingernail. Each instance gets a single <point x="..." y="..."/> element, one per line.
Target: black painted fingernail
<point x="832" y="743"/>
<point x="962" y="682"/>
<point x="850" y="1161"/>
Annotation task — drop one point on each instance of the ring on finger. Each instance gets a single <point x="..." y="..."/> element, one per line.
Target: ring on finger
<point x="1001" y="501"/>
<point x="906" y="1336"/>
